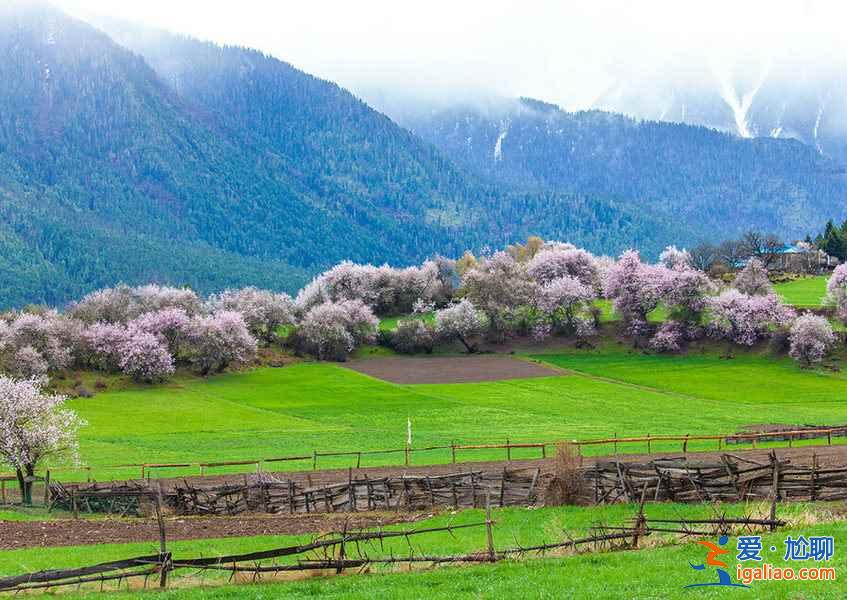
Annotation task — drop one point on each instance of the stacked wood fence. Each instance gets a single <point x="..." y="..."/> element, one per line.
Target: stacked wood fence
<point x="730" y="479"/>
<point x="265" y="494"/>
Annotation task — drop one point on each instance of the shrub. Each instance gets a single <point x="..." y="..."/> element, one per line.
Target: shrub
<point x="811" y="339"/>
<point x="413" y="336"/>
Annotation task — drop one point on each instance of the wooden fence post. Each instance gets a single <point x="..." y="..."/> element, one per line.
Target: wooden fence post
<point x="453" y="450"/>
<point x="616" y="444"/>
<point x="314" y="460"/>
<point x="492" y="555"/>
<point x="47" y="487"/>
<point x="164" y="557"/>
<point x="649" y="451"/>
<point x="685" y="444"/>
<point x="508" y="451"/>
<point x="829" y="437"/>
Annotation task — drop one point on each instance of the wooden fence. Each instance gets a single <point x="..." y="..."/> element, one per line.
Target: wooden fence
<point x="359" y="550"/>
<point x="615" y="444"/>
<point x="266" y="494"/>
<point x="731" y="479"/>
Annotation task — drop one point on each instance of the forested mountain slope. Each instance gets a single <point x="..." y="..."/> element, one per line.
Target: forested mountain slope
<point x="712" y="184"/>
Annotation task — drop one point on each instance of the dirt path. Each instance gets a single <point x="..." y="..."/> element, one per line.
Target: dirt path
<point x="70" y="532"/>
<point x="452" y="369"/>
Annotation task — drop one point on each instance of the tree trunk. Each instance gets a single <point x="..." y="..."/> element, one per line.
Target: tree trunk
<point x="26" y="486"/>
<point x="468" y="347"/>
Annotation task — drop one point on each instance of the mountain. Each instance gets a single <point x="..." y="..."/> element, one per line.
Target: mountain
<point x="183" y="162"/>
<point x="710" y="184"/>
<point x="797" y="98"/>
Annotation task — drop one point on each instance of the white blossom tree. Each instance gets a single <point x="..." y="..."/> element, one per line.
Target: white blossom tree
<point x="34" y="426"/>
<point x="462" y="322"/>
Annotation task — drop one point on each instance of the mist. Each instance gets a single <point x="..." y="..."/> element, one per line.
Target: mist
<point x="628" y="57"/>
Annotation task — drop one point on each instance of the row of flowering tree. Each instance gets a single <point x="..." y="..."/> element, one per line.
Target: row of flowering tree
<point x="538" y="289"/>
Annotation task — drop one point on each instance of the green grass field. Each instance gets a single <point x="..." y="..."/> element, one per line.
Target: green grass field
<point x="294" y="410"/>
<point x="658" y="571"/>
<point x="805" y="292"/>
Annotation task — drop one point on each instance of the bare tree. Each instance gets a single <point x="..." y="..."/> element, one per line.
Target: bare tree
<point x="703" y="256"/>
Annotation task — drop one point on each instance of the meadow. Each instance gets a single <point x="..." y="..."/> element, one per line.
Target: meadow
<point x="804" y="292"/>
<point x="294" y="410"/>
<point x="659" y="570"/>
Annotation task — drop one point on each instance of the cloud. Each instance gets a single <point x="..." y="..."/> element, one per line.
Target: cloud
<point x="571" y="53"/>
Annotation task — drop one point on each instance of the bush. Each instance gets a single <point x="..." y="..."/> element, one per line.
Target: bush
<point x="413" y="337"/>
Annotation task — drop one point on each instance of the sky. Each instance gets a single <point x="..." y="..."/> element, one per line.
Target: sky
<point x="561" y="51"/>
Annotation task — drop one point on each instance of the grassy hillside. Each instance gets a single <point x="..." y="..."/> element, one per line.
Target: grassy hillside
<point x="302" y="407"/>
<point x="808" y="291"/>
<point x="659" y="571"/>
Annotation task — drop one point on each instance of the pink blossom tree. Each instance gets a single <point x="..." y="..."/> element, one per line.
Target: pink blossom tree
<point x="557" y="261"/>
<point x="674" y="258"/>
<point x="744" y="319"/>
<point x="811" y="338"/>
<point x="635" y="289"/>
<point x="39" y="333"/>
<point x="332" y="330"/>
<point x="122" y="303"/>
<point x="28" y="363"/>
<point x="498" y="286"/>
<point x="34" y="426"/>
<point x="219" y="340"/>
<point x="263" y="311"/>
<point x="753" y="279"/>
<point x="169" y="324"/>
<point x="144" y="357"/>
<point x="461" y="321"/>
<point x="105" y="341"/>
<point x="565" y="302"/>
<point x="836" y="289"/>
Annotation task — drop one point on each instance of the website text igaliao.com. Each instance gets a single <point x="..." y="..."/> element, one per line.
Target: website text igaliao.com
<point x="769" y="572"/>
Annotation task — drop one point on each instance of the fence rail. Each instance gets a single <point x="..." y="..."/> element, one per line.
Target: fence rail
<point x="357" y="550"/>
<point x="789" y="436"/>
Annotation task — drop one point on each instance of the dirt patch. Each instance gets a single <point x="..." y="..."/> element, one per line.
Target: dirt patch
<point x="453" y="369"/>
<point x="70" y="532"/>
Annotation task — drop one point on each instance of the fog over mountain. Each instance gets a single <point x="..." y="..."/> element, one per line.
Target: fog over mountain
<point x="749" y="68"/>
